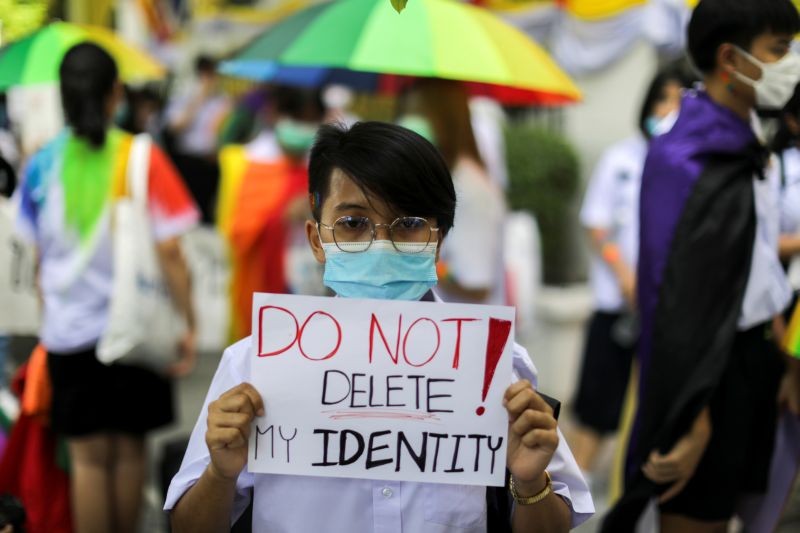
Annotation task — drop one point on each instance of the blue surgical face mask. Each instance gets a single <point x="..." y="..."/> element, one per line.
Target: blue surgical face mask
<point x="657" y="126"/>
<point x="381" y="272"/>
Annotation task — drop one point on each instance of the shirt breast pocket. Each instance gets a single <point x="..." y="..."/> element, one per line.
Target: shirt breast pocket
<point x="456" y="505"/>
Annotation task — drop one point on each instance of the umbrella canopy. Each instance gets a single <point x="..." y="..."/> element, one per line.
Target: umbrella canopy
<point x="430" y="38"/>
<point x="36" y="58"/>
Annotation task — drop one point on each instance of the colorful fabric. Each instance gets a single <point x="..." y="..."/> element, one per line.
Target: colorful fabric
<point x="29" y="471"/>
<point x="791" y="341"/>
<point x="253" y="196"/>
<point x="37" y="396"/>
<point x="65" y="209"/>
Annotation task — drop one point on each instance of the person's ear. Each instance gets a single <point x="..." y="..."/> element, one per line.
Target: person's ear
<point x="115" y="99"/>
<point x="727" y="59"/>
<point x="313" y="240"/>
<point x="440" y="239"/>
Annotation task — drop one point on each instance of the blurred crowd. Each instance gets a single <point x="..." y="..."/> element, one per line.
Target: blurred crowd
<point x="691" y="228"/>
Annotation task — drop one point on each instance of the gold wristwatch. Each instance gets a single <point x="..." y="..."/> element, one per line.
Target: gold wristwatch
<point x="536" y="498"/>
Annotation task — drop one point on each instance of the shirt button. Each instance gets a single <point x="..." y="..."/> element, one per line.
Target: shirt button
<point x="387" y="492"/>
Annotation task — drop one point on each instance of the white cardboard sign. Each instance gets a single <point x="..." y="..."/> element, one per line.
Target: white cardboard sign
<point x="377" y="389"/>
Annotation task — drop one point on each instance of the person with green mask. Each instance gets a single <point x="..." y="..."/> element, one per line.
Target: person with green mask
<point x="262" y="202"/>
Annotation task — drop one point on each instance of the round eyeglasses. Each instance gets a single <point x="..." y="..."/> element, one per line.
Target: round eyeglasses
<point x="354" y="234"/>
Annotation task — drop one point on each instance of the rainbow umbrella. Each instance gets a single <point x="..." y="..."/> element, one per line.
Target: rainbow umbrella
<point x="430" y="38"/>
<point x="36" y="57"/>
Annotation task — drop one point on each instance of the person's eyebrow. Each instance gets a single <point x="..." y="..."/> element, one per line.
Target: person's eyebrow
<point x="347" y="206"/>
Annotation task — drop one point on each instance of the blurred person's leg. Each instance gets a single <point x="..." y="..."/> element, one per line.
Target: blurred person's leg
<point x="601" y="390"/>
<point x="585" y="445"/>
<point x="92" y="505"/>
<point x="128" y="475"/>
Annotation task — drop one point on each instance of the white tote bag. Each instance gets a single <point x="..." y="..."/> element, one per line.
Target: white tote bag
<point x="19" y="302"/>
<point x="144" y="327"/>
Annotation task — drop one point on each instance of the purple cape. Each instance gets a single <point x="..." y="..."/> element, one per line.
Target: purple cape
<point x="698" y="223"/>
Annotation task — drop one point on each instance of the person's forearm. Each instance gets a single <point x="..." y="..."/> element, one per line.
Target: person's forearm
<point x="788" y="246"/>
<point x="178" y="278"/>
<point x="448" y="283"/>
<point x="608" y="251"/>
<point x="793" y="367"/>
<point x="463" y="293"/>
<point x="207" y="506"/>
<point x="551" y="515"/>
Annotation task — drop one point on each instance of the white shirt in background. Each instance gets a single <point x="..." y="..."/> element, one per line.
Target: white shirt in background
<point x="790" y="206"/>
<point x="789" y="173"/>
<point x="201" y="134"/>
<point x="768" y="292"/>
<point x="612" y="203"/>
<point x="488" y="120"/>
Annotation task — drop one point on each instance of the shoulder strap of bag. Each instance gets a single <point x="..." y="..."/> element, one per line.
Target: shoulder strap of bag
<point x="139" y="168"/>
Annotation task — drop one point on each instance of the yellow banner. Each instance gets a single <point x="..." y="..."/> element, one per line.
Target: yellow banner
<point x="516" y="5"/>
<point x="205" y="9"/>
<point x="584" y="9"/>
<point x="600" y="9"/>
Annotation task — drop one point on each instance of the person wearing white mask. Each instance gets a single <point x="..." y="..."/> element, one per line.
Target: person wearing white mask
<point x="709" y="280"/>
<point x="610" y="214"/>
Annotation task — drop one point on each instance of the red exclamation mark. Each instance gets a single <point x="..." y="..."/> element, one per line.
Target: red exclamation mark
<point x="499" y="331"/>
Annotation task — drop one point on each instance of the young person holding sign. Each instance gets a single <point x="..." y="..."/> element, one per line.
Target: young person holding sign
<point x="383" y="201"/>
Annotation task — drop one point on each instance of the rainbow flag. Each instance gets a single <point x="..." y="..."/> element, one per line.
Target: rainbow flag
<point x="250" y="218"/>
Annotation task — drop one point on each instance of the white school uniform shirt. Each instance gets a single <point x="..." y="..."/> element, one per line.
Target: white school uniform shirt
<point x="790" y="206"/>
<point x="790" y="191"/>
<point x="306" y="504"/>
<point x="768" y="292"/>
<point x="612" y="203"/>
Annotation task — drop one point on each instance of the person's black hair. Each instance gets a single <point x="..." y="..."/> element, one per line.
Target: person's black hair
<point x="676" y="73"/>
<point x="88" y="74"/>
<point x="8" y="178"/>
<point x="205" y="65"/>
<point x="297" y="102"/>
<point x="739" y="22"/>
<point x="388" y="162"/>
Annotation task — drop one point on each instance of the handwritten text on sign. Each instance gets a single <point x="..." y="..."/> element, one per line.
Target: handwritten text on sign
<point x="408" y="391"/>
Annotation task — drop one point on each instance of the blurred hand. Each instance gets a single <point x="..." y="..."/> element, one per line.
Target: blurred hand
<point x="679" y="464"/>
<point x="187" y="356"/>
<point x="228" y="433"/>
<point x="627" y="284"/>
<point x="532" y="434"/>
